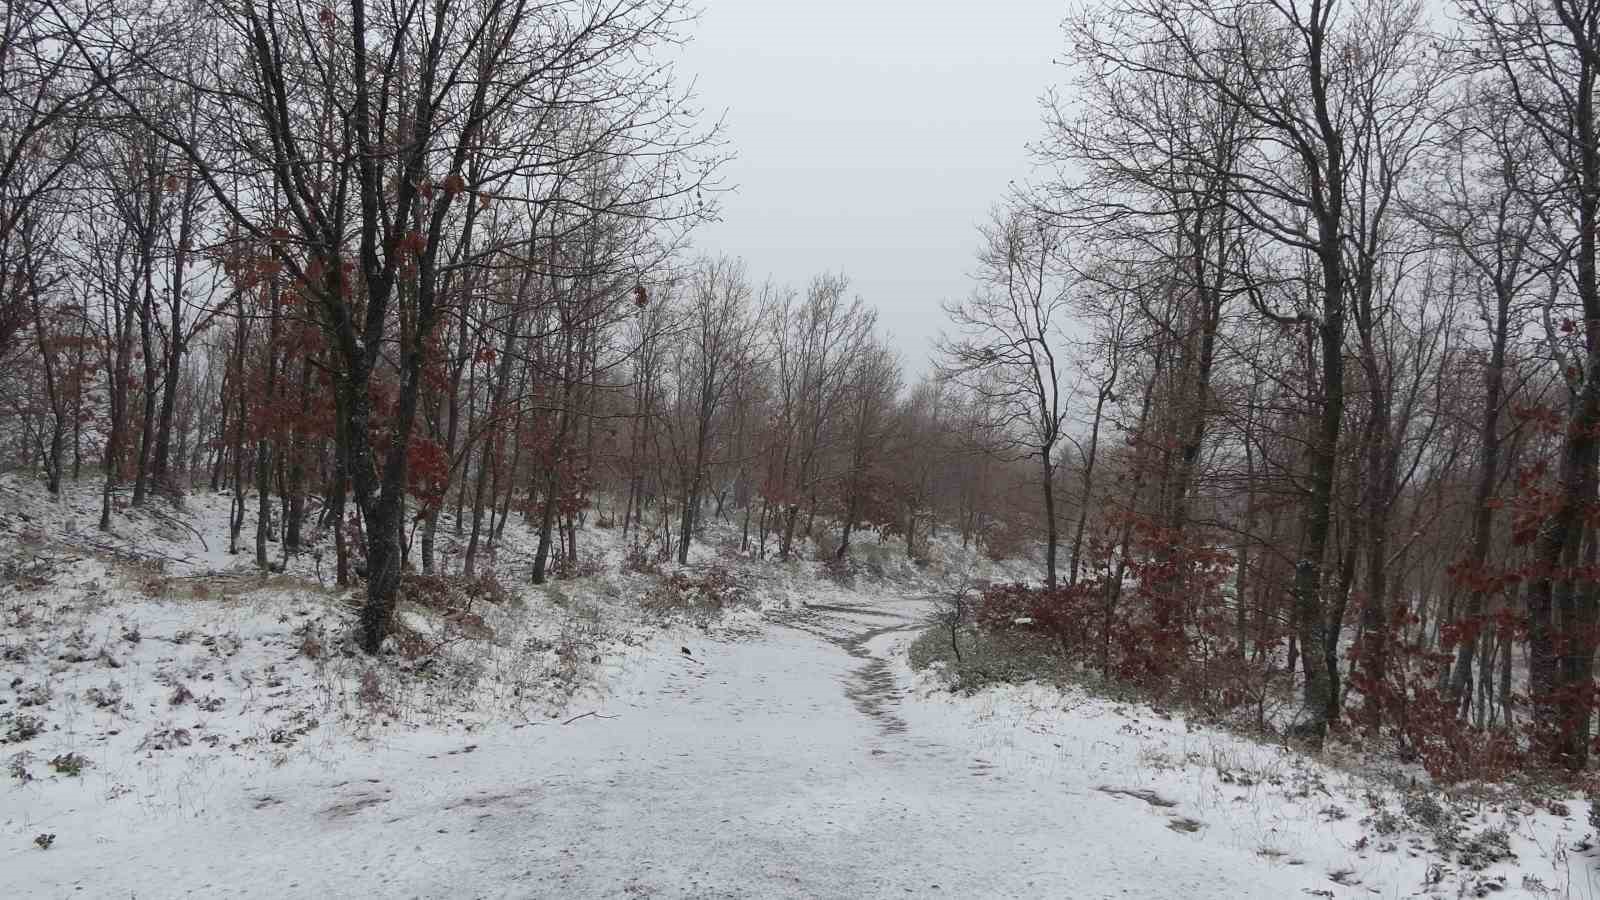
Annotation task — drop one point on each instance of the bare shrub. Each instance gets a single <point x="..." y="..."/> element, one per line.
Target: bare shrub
<point x="468" y="625"/>
<point x="70" y="764"/>
<point x="839" y="571"/>
<point x="586" y="565"/>
<point x="447" y="592"/>
<point x="17" y="766"/>
<point x="638" y="560"/>
<point x="408" y="642"/>
<point x="25" y="574"/>
<point x="108" y="697"/>
<point x="21" y="616"/>
<point x="454" y="598"/>
<point x="311" y="644"/>
<point x="1008" y="539"/>
<point x="705" y="595"/>
<point x="1153" y="619"/>
<point x="370" y="692"/>
<point x="33" y="695"/>
<point x="23" y="728"/>
<point x="827" y="548"/>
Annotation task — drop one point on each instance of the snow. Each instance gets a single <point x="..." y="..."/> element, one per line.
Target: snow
<point x="790" y="752"/>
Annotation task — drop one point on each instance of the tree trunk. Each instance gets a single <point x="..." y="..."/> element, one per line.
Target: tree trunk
<point x="1317" y="520"/>
<point x="141" y="479"/>
<point x="1482" y="511"/>
<point x="295" y="480"/>
<point x="263" y="501"/>
<point x="1047" y="483"/>
<point x="1086" y="492"/>
<point x="52" y="385"/>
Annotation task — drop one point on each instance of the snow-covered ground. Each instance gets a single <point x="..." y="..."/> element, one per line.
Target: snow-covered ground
<point x="786" y="750"/>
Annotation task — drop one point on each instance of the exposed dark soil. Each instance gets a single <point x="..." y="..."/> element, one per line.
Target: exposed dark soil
<point x="870" y="686"/>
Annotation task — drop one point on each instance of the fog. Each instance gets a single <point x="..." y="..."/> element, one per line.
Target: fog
<point x="872" y="138"/>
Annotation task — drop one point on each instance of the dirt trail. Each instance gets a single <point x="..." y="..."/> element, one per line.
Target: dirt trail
<point x="870" y="686"/>
<point x="785" y="766"/>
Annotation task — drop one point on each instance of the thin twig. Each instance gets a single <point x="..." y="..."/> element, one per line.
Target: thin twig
<point x="585" y="716"/>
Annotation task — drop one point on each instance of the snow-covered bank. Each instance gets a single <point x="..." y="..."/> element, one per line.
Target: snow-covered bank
<point x="1298" y="825"/>
<point x="148" y="677"/>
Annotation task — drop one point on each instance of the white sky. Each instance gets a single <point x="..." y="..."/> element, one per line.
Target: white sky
<point x="873" y="136"/>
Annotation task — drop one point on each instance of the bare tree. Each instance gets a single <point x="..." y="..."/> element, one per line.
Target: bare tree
<point x="1488" y="204"/>
<point x="1009" y="347"/>
<point x="870" y="438"/>
<point x="815" y="342"/>
<point x="46" y="112"/>
<point x="377" y="134"/>
<point x="1547" y="53"/>
<point x="717" y="342"/>
<point x="1312" y="88"/>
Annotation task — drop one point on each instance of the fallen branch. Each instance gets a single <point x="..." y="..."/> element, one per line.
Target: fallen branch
<point x="131" y="555"/>
<point x="585" y="716"/>
<point x="177" y="521"/>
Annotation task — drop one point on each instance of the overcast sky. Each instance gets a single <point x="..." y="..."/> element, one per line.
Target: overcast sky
<point x="873" y="136"/>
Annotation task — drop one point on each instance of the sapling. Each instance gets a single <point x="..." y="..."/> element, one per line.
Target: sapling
<point x="953" y="608"/>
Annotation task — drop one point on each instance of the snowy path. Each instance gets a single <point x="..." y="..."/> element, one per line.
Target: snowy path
<point x="783" y="766"/>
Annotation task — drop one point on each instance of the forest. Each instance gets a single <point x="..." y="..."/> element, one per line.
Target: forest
<point x="463" y="283"/>
<point x="1282" y="372"/>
